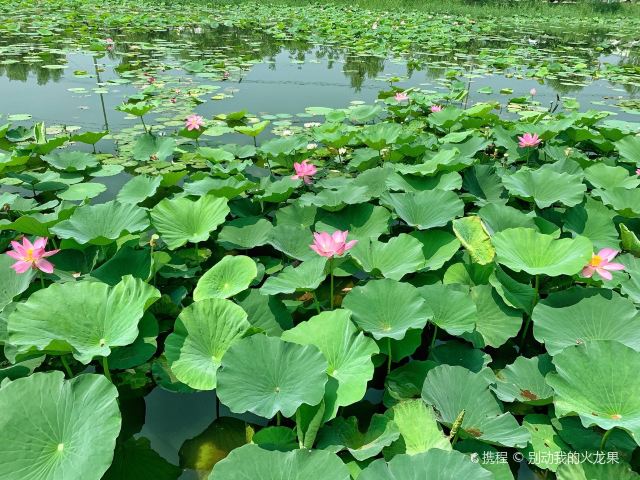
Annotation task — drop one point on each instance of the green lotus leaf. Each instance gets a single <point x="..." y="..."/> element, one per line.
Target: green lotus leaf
<point x="411" y="183"/>
<point x="214" y="444"/>
<point x="607" y="316"/>
<point x="438" y="247"/>
<point x="253" y="462"/>
<point x="363" y="221"/>
<point x="102" y="224"/>
<point x="454" y="352"/>
<point x="598" y="381"/>
<point x="229" y="276"/>
<point x="136" y="460"/>
<point x="126" y="261"/>
<point x="474" y="238"/>
<point x="418" y="427"/>
<point x="515" y="294"/>
<point x="71" y="161"/>
<point x="276" y="191"/>
<point x="625" y="201"/>
<point x="12" y="284"/>
<point x="387" y="308"/>
<point x="405" y="382"/>
<point x="483" y="182"/>
<point x="401" y="349"/>
<point x="139" y="188"/>
<point x="81" y="191"/>
<point x="394" y="259"/>
<point x="523" y="381"/>
<point x="333" y="200"/>
<point x="293" y="241"/>
<point x="180" y="220"/>
<point x="58" y="429"/>
<point x="452" y="389"/>
<point x="428" y="209"/>
<point x="202" y="334"/>
<point x="220" y="187"/>
<point x="137" y="109"/>
<point x="496" y="321"/>
<point x="594" y="471"/>
<point x="343" y="433"/>
<point x="498" y="217"/>
<point x="306" y="276"/>
<point x="141" y="350"/>
<point x="288" y="376"/>
<point x="90" y="138"/>
<point x="629" y="240"/>
<point x="594" y="221"/>
<point x="347" y="351"/>
<point x="84" y="318"/>
<point x="546" y="186"/>
<point x="266" y="313"/>
<point x="282" y="439"/>
<point x="148" y="147"/>
<point x="434" y="464"/>
<point x="296" y="215"/>
<point x="605" y="177"/>
<point x="252" y="130"/>
<point x="453" y="309"/>
<point x="245" y="233"/>
<point x="524" y="249"/>
<point x="629" y="148"/>
<point x="545" y="444"/>
<point x="631" y="287"/>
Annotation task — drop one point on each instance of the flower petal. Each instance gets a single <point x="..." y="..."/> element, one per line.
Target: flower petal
<point x="608" y="254"/>
<point x="21" y="267"/>
<point x="588" y="271"/>
<point x="44" y="265"/>
<point x="613" y="266"/>
<point x="604" y="274"/>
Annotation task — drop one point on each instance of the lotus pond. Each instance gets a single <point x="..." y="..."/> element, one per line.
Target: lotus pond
<point x="317" y="243"/>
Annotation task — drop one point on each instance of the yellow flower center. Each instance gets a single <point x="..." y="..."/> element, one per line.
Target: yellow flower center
<point x="29" y="256"/>
<point x="596" y="260"/>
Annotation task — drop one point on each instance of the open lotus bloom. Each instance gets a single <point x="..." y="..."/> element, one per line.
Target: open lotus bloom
<point x="601" y="264"/>
<point x="401" y="97"/>
<point x="435" y="108"/>
<point x="194" y="122"/>
<point x="304" y="171"/>
<point x="528" y="140"/>
<point x="31" y="255"/>
<point x="330" y="245"/>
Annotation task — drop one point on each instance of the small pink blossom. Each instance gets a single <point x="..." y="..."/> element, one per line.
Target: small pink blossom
<point x="637" y="171"/>
<point x="304" y="171"/>
<point x="601" y="264"/>
<point x="110" y="43"/>
<point x="31" y="255"/>
<point x="330" y="245"/>
<point x="194" y="122"/>
<point x="533" y="92"/>
<point x="528" y="140"/>
<point x="225" y="75"/>
<point x="173" y="100"/>
<point x="401" y="96"/>
<point x="435" y="108"/>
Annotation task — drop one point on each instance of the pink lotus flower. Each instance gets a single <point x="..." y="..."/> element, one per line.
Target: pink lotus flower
<point x="330" y="245"/>
<point x="602" y="265"/>
<point x="533" y="92"/>
<point x="31" y="255"/>
<point x="637" y="171"/>
<point x="435" y="108"/>
<point x="528" y="140"/>
<point x="304" y="171"/>
<point x="109" y="41"/>
<point x="401" y="96"/>
<point x="194" y="122"/>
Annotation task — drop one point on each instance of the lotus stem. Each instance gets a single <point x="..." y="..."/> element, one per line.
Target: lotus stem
<point x="527" y="320"/>
<point x="65" y="364"/>
<point x="605" y="437"/>
<point x="435" y="336"/>
<point x="217" y="406"/>
<point x="278" y="418"/>
<point x="41" y="280"/>
<point x="331" y="275"/>
<point x="105" y="368"/>
<point x="144" y="125"/>
<point x="388" y="355"/>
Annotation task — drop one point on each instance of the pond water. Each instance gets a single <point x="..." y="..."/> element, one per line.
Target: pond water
<point x="69" y="87"/>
